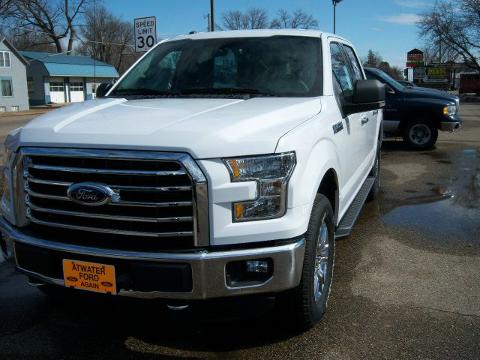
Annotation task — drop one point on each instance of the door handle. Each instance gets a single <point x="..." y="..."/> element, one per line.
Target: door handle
<point x="364" y="120"/>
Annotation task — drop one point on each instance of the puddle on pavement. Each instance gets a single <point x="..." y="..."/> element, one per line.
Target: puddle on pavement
<point x="443" y="220"/>
<point x="449" y="213"/>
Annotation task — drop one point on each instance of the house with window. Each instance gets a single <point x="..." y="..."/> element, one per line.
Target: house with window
<point x="13" y="78"/>
<point x="61" y="78"/>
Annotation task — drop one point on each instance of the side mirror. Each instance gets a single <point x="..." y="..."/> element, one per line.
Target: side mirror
<point x="367" y="95"/>
<point x="103" y="89"/>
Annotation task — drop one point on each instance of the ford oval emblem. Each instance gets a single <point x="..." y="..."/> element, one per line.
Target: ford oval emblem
<point x="91" y="194"/>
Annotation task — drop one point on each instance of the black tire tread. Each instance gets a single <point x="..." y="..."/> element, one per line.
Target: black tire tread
<point x="299" y="302"/>
<point x="429" y="144"/>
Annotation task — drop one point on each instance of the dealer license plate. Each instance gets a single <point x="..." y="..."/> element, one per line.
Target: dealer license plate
<point x="89" y="276"/>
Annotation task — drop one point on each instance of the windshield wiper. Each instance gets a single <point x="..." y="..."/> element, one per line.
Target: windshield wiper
<point x="224" y="91"/>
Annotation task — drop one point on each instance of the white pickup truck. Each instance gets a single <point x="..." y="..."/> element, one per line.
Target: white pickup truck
<point x="221" y="164"/>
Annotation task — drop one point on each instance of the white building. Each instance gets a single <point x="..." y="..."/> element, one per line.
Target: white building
<point x="60" y="78"/>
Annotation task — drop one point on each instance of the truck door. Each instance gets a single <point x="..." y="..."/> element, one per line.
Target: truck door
<point x="369" y="119"/>
<point x="350" y="141"/>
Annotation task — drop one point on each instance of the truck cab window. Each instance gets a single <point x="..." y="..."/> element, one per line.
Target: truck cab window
<point x="341" y="70"/>
<point x="357" y="72"/>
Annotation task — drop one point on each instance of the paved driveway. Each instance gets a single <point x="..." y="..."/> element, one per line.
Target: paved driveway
<point x="406" y="285"/>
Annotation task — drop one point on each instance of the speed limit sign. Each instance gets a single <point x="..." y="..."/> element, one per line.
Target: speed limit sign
<point x="145" y="33"/>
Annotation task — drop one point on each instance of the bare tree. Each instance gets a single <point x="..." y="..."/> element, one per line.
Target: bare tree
<point x="254" y="18"/>
<point x="455" y="27"/>
<point x="107" y="38"/>
<point x="232" y="20"/>
<point x="56" y="19"/>
<point x="436" y="53"/>
<point x="297" y="20"/>
<point x="282" y="21"/>
<point x="29" y="40"/>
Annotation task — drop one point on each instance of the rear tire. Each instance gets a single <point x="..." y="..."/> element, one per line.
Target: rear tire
<point x="307" y="303"/>
<point x="420" y="134"/>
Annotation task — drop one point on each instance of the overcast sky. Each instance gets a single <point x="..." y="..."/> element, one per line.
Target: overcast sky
<point x="386" y="26"/>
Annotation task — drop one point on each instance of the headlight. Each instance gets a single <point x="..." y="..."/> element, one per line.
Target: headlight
<point x="272" y="173"/>
<point x="450" y="110"/>
<point x="6" y="188"/>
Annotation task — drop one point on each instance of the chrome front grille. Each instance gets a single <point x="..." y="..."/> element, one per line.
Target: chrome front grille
<point x="160" y="200"/>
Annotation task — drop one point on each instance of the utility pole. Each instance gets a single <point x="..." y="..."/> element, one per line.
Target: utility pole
<point x="208" y="21"/>
<point x="334" y="3"/>
<point x="212" y="15"/>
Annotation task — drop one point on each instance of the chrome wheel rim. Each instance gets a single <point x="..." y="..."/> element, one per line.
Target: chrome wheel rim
<point x="420" y="134"/>
<point x="321" y="262"/>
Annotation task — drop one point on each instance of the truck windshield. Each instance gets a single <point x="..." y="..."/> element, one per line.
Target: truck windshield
<point x="257" y="66"/>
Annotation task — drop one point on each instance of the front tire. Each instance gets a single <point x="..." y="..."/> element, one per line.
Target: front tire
<point x="420" y="135"/>
<point x="308" y="302"/>
<point x="375" y="172"/>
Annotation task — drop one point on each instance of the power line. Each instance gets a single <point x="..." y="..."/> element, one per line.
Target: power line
<point x="79" y="39"/>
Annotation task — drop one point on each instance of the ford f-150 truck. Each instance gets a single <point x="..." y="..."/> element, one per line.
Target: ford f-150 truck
<point x="221" y="164"/>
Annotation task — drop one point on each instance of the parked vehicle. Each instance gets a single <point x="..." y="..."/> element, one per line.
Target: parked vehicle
<point x="416" y="114"/>
<point x="221" y="164"/>
<point x="469" y="83"/>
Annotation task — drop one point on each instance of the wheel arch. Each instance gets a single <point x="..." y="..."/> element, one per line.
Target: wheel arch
<point x="411" y="117"/>
<point x="330" y="189"/>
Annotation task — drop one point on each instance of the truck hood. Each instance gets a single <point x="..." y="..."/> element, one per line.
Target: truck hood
<point x="205" y="128"/>
<point x="422" y="92"/>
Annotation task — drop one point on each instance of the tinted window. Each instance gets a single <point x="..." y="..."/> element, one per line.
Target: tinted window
<point x="6" y="87"/>
<point x="277" y="66"/>
<point x="384" y="78"/>
<point x="4" y="59"/>
<point x="357" y="70"/>
<point x="76" y="86"/>
<point x="341" y="69"/>
<point x="56" y="86"/>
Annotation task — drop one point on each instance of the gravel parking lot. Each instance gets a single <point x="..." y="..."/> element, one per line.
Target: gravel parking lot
<point x="406" y="284"/>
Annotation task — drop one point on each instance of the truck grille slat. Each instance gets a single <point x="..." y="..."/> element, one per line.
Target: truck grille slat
<point x="107" y="171"/>
<point x="109" y="231"/>
<point x="122" y="203"/>
<point x="114" y="187"/>
<point x="110" y="217"/>
<point x="154" y="198"/>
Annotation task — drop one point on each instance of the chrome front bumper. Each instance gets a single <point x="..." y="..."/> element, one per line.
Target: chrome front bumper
<point x="208" y="267"/>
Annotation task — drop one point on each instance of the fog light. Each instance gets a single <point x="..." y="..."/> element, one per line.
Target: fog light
<point x="257" y="266"/>
<point x="248" y="272"/>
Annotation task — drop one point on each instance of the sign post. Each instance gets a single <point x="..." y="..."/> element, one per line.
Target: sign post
<point x="145" y="33"/>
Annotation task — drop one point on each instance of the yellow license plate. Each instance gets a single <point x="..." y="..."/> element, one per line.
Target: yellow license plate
<point x="89" y="276"/>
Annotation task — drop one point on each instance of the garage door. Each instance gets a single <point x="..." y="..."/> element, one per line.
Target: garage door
<point x="57" y="92"/>
<point x="76" y="91"/>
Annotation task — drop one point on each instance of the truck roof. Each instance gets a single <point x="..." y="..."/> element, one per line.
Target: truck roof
<point x="255" y="33"/>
